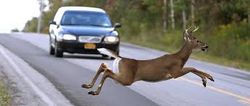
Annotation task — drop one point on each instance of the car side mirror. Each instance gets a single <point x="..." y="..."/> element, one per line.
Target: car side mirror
<point x="117" y="25"/>
<point x="52" y="22"/>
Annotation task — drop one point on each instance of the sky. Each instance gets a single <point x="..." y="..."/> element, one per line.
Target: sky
<point x="15" y="13"/>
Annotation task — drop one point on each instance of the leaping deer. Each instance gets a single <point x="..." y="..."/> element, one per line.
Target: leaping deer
<point x="162" y="68"/>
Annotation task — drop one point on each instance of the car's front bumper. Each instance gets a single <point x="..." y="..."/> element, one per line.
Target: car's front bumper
<point x="77" y="47"/>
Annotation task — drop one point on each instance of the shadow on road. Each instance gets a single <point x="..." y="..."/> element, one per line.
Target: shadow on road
<point x="83" y="56"/>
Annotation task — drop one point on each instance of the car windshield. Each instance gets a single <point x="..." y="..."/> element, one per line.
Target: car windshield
<point x="83" y="18"/>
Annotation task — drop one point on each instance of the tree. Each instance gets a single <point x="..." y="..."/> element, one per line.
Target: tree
<point x="192" y="12"/>
<point x="172" y="14"/>
<point x="181" y="6"/>
<point x="41" y="8"/>
<point x="15" y="30"/>
<point x="31" y="25"/>
<point x="165" y="16"/>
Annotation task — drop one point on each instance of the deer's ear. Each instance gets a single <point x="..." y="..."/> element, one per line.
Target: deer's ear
<point x="186" y="35"/>
<point x="186" y="38"/>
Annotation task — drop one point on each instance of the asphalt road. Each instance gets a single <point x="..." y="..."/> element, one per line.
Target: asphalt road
<point x="231" y="86"/>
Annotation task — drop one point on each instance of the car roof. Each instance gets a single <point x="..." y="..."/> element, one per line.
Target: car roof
<point x="80" y="8"/>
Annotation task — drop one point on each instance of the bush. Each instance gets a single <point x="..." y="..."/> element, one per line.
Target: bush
<point x="231" y="41"/>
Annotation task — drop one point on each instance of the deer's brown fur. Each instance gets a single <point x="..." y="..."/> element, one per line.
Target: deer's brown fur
<point x="162" y="68"/>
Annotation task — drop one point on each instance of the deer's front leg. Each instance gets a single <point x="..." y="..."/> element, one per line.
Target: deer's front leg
<point x="100" y="70"/>
<point x="201" y="74"/>
<point x="198" y="72"/>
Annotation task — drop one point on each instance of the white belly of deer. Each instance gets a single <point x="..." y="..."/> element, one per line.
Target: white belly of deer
<point x="115" y="67"/>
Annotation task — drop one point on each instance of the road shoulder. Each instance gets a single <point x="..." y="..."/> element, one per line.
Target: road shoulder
<point x="26" y="85"/>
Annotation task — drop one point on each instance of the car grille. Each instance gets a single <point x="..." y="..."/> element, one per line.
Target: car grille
<point x="90" y="39"/>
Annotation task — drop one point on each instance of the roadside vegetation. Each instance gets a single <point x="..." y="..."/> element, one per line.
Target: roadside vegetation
<point x="4" y="95"/>
<point x="224" y="25"/>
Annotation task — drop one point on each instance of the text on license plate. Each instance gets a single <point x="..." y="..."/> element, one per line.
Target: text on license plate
<point x="89" y="46"/>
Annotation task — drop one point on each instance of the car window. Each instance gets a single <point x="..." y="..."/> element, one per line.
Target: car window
<point x="84" y="18"/>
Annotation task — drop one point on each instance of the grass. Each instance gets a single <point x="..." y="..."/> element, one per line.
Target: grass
<point x="4" y="95"/>
<point x="239" y="64"/>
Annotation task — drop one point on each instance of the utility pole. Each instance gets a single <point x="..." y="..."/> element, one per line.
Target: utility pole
<point x="41" y="7"/>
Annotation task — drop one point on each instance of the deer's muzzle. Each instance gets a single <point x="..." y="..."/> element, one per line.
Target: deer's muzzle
<point x="204" y="48"/>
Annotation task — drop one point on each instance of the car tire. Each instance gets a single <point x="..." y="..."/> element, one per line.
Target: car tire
<point x="58" y="51"/>
<point x="51" y="50"/>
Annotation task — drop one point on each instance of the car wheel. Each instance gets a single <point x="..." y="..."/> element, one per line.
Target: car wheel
<point x="58" y="51"/>
<point x="51" y="50"/>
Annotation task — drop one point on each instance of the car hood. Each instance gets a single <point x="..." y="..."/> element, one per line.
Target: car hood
<point x="86" y="30"/>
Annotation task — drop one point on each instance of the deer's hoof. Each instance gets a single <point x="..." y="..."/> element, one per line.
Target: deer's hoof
<point x="204" y="83"/>
<point x="92" y="93"/>
<point x="86" y="86"/>
<point x="211" y="78"/>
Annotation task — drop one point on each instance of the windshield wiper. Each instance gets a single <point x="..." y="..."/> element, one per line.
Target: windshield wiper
<point x="97" y="25"/>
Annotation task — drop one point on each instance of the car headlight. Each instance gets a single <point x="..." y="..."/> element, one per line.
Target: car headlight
<point x="69" y="37"/>
<point x="111" y="39"/>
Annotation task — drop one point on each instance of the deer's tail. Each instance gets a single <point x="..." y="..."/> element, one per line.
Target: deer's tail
<point x="108" y="52"/>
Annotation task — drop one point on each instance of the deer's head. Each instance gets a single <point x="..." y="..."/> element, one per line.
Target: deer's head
<point x="193" y="41"/>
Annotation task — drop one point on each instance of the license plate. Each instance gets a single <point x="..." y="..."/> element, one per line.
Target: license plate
<point x="89" y="46"/>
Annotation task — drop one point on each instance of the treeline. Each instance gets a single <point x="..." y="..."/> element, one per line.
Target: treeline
<point x="224" y="24"/>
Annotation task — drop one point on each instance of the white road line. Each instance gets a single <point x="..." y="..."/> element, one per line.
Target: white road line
<point x="41" y="94"/>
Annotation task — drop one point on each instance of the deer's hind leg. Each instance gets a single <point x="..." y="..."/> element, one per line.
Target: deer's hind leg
<point x="100" y="70"/>
<point x="107" y="74"/>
